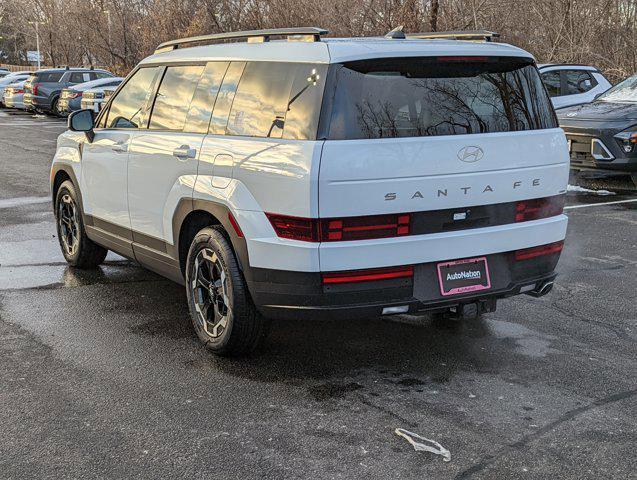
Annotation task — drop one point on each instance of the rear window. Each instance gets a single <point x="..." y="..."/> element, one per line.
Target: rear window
<point x="431" y="96"/>
<point x="52" y="77"/>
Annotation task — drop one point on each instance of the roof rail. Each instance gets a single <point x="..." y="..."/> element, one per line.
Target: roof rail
<point x="471" y="35"/>
<point x="306" y="34"/>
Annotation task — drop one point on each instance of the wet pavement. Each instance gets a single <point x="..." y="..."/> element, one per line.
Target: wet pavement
<point x="102" y="376"/>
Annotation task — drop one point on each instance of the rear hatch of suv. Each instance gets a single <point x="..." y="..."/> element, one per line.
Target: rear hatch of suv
<point x="445" y="145"/>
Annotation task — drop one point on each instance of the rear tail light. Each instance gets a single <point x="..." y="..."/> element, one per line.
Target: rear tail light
<point x="34" y="88"/>
<point x="74" y="94"/>
<point x="341" y="229"/>
<point x="295" y="228"/>
<point x="365" y="228"/>
<point x="537" y="208"/>
<point x="371" y="275"/>
<point x="19" y="91"/>
<point x="548" y="249"/>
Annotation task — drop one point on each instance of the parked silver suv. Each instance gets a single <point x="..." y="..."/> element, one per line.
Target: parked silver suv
<point x="42" y="89"/>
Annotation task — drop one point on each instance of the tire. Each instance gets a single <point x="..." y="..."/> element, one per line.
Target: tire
<point x="78" y="250"/>
<point x="53" y="110"/>
<point x="634" y="178"/>
<point x="222" y="312"/>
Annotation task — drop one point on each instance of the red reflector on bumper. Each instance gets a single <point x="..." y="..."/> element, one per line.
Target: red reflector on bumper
<point x="534" y="252"/>
<point x="368" y="275"/>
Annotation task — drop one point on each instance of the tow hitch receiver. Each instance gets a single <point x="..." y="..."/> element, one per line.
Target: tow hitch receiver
<point x="470" y="311"/>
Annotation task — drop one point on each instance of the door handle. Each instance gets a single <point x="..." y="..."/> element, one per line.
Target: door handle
<point x="184" y="152"/>
<point x="120" y="147"/>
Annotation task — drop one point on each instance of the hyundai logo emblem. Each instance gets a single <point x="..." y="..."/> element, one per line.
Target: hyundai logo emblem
<point x="470" y="154"/>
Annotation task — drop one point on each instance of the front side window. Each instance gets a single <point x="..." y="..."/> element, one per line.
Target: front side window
<point x="260" y="104"/>
<point x="432" y="96"/>
<point x="127" y="109"/>
<point x="578" y="81"/>
<point x="173" y="97"/>
<point x="552" y="82"/>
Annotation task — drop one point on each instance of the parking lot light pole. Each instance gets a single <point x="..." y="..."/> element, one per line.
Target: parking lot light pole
<point x="37" y="40"/>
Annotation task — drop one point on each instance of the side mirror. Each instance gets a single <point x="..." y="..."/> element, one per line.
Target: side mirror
<point x="82" y="121"/>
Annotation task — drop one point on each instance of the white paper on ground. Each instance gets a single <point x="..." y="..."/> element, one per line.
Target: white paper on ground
<point x="422" y="444"/>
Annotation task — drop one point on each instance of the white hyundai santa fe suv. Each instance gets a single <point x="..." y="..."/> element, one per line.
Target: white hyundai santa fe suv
<point x="306" y="177"/>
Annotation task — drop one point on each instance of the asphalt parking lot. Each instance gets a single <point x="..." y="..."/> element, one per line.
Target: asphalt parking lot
<point x="101" y="375"/>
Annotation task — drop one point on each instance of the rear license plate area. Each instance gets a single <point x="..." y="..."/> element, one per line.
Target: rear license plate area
<point x="463" y="276"/>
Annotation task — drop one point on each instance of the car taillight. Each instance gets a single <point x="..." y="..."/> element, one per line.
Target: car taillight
<point x="341" y="229"/>
<point x="534" y="252"/>
<point x="537" y="208"/>
<point x="295" y="228"/>
<point x="74" y="94"/>
<point x="34" y="88"/>
<point x="18" y="91"/>
<point x="365" y="228"/>
<point x="370" y="275"/>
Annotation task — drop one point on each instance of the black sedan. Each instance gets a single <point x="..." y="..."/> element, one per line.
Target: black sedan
<point x="602" y="135"/>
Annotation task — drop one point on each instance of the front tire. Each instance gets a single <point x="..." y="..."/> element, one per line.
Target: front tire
<point x="221" y="310"/>
<point x="78" y="250"/>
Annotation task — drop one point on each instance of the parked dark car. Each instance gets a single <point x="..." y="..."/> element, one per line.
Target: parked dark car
<point x="602" y="135"/>
<point x="43" y="87"/>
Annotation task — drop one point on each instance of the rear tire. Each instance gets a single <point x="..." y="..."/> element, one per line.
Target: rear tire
<point x="634" y="178"/>
<point x="222" y="312"/>
<point x="78" y="250"/>
<point x="54" y="108"/>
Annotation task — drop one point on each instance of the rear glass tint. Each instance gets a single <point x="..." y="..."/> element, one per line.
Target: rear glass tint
<point x="52" y="77"/>
<point x="429" y="96"/>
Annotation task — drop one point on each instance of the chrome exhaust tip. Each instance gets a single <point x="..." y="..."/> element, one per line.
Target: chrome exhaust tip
<point x="543" y="289"/>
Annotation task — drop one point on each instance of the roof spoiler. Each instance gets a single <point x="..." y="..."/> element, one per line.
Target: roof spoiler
<point x="303" y="34"/>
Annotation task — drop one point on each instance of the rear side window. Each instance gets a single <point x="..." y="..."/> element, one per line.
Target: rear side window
<point x="49" y="77"/>
<point x="578" y="81"/>
<point x="224" y="99"/>
<point x="553" y="83"/>
<point x="204" y="100"/>
<point x="79" y="77"/>
<point x="173" y="97"/>
<point x="429" y="96"/>
<point x="304" y="105"/>
<point x="129" y="106"/>
<point x="261" y="101"/>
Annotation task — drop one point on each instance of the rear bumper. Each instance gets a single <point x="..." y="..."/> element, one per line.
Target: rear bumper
<point x="281" y="294"/>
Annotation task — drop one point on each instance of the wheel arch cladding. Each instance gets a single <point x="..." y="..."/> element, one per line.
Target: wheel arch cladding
<point x="59" y="175"/>
<point x="193" y="215"/>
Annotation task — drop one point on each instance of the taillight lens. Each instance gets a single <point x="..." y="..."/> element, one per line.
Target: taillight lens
<point x="18" y="91"/>
<point x="74" y="94"/>
<point x="341" y="229"/>
<point x="295" y="228"/>
<point x="365" y="228"/>
<point x="534" y="252"/>
<point x="34" y="89"/>
<point x="537" y="208"/>
<point x="371" y="275"/>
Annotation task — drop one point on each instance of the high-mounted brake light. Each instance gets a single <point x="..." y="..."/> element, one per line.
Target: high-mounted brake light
<point x="341" y="229"/>
<point x="463" y="59"/>
<point x="534" y="252"/>
<point x="538" y="208"/>
<point x="371" y="275"/>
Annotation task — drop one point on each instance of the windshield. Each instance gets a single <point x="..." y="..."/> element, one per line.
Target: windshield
<point x="430" y="96"/>
<point x="624" y="92"/>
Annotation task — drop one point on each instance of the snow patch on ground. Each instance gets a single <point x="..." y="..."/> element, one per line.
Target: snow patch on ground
<point x="578" y="189"/>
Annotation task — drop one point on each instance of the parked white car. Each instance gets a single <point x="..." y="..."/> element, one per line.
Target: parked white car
<point x="13" y="95"/>
<point x="570" y="85"/>
<point x="93" y="98"/>
<point x="315" y="177"/>
<point x="7" y="80"/>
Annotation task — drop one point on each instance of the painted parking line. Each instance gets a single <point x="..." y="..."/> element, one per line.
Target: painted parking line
<point x="17" y="202"/>
<point x="571" y="207"/>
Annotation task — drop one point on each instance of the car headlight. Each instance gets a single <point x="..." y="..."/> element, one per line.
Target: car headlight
<point x="627" y="139"/>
